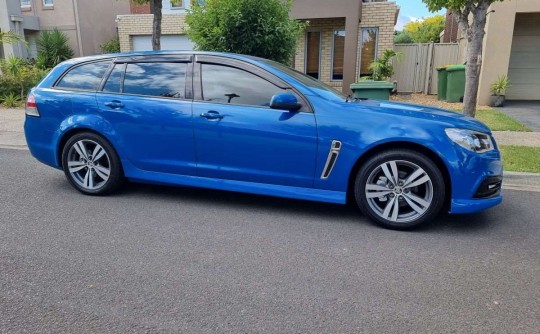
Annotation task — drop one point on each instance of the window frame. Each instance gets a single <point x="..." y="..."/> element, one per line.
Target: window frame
<point x="29" y="5"/>
<point x="180" y="59"/>
<point x="306" y="50"/>
<point x="247" y="67"/>
<point x="47" y="5"/>
<point x="361" y="42"/>
<point x="178" y="6"/>
<point x="333" y="49"/>
<point x="69" y="69"/>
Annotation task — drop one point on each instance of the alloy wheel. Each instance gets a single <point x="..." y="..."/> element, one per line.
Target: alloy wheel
<point x="399" y="191"/>
<point x="88" y="164"/>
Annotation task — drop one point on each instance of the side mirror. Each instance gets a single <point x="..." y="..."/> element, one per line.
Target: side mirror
<point x="285" y="101"/>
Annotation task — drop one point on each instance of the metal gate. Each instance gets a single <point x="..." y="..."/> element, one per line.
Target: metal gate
<point x="417" y="71"/>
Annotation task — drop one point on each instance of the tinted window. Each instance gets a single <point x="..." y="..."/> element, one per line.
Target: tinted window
<point x="113" y="82"/>
<point x="156" y="79"/>
<point x="85" y="77"/>
<point x="223" y="84"/>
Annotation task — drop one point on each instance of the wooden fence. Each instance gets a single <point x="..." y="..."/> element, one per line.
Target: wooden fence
<point x="417" y="71"/>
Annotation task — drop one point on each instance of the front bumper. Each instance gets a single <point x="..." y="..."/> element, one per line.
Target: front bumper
<point x="476" y="182"/>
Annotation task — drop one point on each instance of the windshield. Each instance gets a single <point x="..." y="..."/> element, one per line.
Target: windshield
<point x="317" y="86"/>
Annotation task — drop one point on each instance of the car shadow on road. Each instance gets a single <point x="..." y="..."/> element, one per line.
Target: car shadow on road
<point x="453" y="224"/>
<point x="239" y="200"/>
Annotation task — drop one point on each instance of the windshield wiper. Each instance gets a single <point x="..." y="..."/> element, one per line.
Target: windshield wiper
<point x="355" y="99"/>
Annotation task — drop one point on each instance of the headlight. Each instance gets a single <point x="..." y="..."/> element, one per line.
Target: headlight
<point x="473" y="141"/>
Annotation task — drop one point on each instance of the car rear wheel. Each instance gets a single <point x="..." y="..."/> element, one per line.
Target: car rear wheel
<point x="91" y="164"/>
<point x="400" y="189"/>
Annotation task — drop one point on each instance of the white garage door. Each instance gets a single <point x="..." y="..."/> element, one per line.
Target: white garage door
<point x="168" y="42"/>
<point x="524" y="69"/>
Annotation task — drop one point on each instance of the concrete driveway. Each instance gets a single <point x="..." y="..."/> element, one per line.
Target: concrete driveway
<point x="527" y="112"/>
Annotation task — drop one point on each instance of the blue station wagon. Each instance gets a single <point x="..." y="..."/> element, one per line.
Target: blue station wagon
<point x="240" y="123"/>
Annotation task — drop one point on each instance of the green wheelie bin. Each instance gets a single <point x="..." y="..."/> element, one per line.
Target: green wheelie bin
<point x="441" y="84"/>
<point x="455" y="83"/>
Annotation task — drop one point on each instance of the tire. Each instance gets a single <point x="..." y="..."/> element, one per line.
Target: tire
<point x="91" y="164"/>
<point x="415" y="199"/>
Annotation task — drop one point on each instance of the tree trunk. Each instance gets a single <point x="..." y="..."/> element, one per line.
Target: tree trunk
<point x="156" y="7"/>
<point x="475" y="37"/>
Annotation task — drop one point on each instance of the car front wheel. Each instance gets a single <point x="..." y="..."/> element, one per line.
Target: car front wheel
<point x="400" y="189"/>
<point x="91" y="164"/>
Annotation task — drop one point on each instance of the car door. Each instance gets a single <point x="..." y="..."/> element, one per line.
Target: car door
<point x="148" y="103"/>
<point x="239" y="137"/>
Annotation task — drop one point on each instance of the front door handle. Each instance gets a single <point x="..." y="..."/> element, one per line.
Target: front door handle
<point x="114" y="104"/>
<point x="211" y="115"/>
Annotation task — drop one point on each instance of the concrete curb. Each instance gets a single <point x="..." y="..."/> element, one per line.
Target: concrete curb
<point x="521" y="181"/>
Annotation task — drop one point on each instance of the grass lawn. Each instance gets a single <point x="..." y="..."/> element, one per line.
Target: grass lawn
<point x="521" y="158"/>
<point x="499" y="121"/>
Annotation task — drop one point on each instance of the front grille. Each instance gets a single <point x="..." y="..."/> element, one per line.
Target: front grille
<point x="491" y="187"/>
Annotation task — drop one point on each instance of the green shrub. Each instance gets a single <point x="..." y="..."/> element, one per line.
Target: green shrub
<point x="11" y="100"/>
<point x="112" y="46"/>
<point x="18" y="76"/>
<point x="53" y="48"/>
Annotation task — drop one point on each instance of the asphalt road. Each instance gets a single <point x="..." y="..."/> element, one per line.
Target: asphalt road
<point x="158" y="259"/>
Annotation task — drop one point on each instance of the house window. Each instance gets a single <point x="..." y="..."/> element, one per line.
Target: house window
<point x="26" y="3"/>
<point x="338" y="54"/>
<point x="177" y="5"/>
<point x="369" y="39"/>
<point x="48" y="3"/>
<point x="313" y="53"/>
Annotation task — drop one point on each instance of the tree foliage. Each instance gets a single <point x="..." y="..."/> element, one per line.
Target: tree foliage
<point x="474" y="31"/>
<point x="427" y="30"/>
<point x="402" y="37"/>
<point x="253" y="27"/>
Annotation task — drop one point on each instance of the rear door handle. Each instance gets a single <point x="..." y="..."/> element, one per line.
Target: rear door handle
<point x="114" y="104"/>
<point x="211" y="115"/>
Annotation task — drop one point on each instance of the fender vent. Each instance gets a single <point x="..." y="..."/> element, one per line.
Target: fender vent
<point x="332" y="158"/>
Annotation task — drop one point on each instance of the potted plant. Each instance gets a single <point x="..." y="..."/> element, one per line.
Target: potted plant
<point x="498" y="88"/>
<point x="376" y="86"/>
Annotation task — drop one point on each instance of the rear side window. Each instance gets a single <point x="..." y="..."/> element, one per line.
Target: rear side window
<point x="84" y="77"/>
<point x="156" y="79"/>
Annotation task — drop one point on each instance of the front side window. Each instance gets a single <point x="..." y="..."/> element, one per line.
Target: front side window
<point x="48" y="2"/>
<point x="338" y="54"/>
<point x="369" y="49"/>
<point x="156" y="79"/>
<point x="84" y="77"/>
<point x="229" y="85"/>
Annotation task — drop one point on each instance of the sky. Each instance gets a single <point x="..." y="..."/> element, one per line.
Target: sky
<point x="412" y="10"/>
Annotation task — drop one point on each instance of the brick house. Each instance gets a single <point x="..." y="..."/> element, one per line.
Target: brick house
<point x="343" y="37"/>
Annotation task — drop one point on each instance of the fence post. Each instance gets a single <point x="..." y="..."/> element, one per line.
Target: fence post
<point x="429" y="69"/>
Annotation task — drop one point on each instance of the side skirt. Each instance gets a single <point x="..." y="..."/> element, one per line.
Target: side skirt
<point x="309" y="194"/>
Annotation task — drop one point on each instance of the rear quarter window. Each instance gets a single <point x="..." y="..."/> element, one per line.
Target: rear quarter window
<point x="84" y="77"/>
